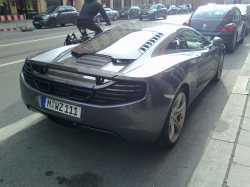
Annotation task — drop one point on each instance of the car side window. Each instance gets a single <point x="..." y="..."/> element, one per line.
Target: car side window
<point x="194" y="40"/>
<point x="61" y="9"/>
<point x="236" y="16"/>
<point x="69" y="9"/>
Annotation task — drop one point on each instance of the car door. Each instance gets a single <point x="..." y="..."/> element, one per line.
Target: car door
<point x="109" y="13"/>
<point x="159" y="11"/>
<point x="137" y="10"/>
<point x="69" y="14"/>
<point x="61" y="15"/>
<point x="205" y="56"/>
<point x="238" y="22"/>
<point x="132" y="12"/>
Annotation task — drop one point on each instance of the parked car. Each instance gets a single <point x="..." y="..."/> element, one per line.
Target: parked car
<point x="245" y="15"/>
<point x="112" y="15"/>
<point x="140" y="94"/>
<point x="180" y="9"/>
<point x="154" y="12"/>
<point x="54" y="16"/>
<point x="172" y="10"/>
<point x="129" y="12"/>
<point x="219" y="20"/>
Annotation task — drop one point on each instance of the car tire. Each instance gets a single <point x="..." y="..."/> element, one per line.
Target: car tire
<point x="52" y="23"/>
<point x="128" y="16"/>
<point x="243" y="37"/>
<point x="246" y="31"/>
<point x="38" y="27"/>
<point x="165" y="16"/>
<point x="171" y="130"/>
<point x="218" y="73"/>
<point x="156" y="17"/>
<point x="75" y="21"/>
<point x="230" y="48"/>
<point x="140" y="19"/>
<point x="98" y="19"/>
<point x="62" y="25"/>
<point x="115" y="18"/>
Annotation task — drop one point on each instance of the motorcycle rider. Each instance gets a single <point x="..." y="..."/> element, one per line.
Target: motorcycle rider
<point x="85" y="20"/>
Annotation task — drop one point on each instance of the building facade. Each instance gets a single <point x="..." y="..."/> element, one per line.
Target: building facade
<point x="33" y="7"/>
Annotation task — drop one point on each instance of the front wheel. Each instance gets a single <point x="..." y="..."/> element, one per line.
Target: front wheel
<point x="155" y="17"/>
<point x="115" y="18"/>
<point x="98" y="19"/>
<point x="165" y="16"/>
<point x="174" y="122"/>
<point x="128" y="16"/>
<point x="218" y="73"/>
<point x="140" y="19"/>
<point x="75" y="21"/>
<point x="52" y="23"/>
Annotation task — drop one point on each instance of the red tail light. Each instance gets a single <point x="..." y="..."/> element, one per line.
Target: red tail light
<point x="228" y="28"/>
<point x="186" y="23"/>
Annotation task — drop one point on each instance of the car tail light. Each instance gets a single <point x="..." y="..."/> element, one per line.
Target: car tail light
<point x="228" y="28"/>
<point x="186" y="23"/>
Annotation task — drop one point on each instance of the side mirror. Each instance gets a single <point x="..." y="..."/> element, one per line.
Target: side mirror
<point x="217" y="41"/>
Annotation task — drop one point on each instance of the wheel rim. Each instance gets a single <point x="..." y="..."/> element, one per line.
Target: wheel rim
<point x="52" y="23"/>
<point x="155" y="16"/>
<point x="128" y="16"/>
<point x="98" y="19"/>
<point x="177" y="117"/>
<point x="115" y="18"/>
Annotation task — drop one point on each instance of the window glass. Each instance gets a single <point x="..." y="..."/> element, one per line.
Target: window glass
<point x="194" y="40"/>
<point x="207" y="13"/>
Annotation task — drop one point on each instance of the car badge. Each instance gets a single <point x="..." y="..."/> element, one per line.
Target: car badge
<point x="204" y="25"/>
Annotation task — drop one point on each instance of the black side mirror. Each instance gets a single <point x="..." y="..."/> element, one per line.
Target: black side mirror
<point x="217" y="41"/>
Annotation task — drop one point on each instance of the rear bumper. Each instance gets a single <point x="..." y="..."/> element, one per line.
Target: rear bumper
<point x="139" y="122"/>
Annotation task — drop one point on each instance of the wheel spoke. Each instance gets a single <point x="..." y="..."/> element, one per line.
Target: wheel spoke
<point x="171" y="130"/>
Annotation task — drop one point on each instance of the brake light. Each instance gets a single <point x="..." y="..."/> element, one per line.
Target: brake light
<point x="228" y="28"/>
<point x="186" y="23"/>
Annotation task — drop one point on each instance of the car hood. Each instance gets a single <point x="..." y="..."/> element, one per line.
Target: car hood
<point x="123" y="12"/>
<point x="204" y="25"/>
<point x="40" y="15"/>
<point x="148" y="10"/>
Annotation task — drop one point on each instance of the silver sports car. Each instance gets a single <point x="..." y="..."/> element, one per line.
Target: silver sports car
<point x="135" y="80"/>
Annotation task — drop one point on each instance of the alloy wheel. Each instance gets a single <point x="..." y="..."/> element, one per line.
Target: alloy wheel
<point x="177" y="117"/>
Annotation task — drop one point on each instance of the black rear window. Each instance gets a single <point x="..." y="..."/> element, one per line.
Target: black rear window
<point x="215" y="13"/>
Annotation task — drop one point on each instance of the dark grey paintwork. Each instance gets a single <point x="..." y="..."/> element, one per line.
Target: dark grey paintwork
<point x="164" y="73"/>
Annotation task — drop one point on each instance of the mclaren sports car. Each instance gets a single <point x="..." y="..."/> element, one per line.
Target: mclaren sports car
<point x="134" y="80"/>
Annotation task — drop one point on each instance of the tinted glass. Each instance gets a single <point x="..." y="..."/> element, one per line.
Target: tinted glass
<point x="194" y="40"/>
<point x="153" y="7"/>
<point x="214" y="13"/>
<point x="50" y="10"/>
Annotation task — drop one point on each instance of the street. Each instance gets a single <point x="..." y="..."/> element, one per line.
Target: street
<point x="47" y="154"/>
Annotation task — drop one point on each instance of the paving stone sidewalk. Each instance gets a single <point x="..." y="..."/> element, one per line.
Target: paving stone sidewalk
<point x="226" y="159"/>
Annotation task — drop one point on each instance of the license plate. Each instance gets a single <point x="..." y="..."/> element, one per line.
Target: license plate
<point x="61" y="107"/>
<point x="36" y="22"/>
<point x="208" y="37"/>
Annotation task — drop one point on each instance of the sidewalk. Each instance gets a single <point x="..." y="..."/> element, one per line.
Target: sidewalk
<point x="226" y="159"/>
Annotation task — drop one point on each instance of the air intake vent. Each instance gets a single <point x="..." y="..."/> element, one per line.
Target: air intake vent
<point x="150" y="42"/>
<point x="96" y="61"/>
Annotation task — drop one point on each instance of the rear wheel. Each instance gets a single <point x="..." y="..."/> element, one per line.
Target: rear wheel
<point x="230" y="48"/>
<point x="174" y="122"/>
<point x="246" y="31"/>
<point x="75" y="21"/>
<point x="98" y="19"/>
<point x="52" y="23"/>
<point x="243" y="36"/>
<point x="140" y="18"/>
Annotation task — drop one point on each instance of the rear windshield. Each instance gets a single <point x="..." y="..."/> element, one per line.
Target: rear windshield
<point x="215" y="13"/>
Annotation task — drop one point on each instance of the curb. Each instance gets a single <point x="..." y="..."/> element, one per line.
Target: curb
<point x="218" y="165"/>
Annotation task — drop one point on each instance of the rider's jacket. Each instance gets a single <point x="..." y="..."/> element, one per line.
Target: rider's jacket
<point x="90" y="9"/>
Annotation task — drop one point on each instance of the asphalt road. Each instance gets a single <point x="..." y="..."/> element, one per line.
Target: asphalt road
<point x="48" y="154"/>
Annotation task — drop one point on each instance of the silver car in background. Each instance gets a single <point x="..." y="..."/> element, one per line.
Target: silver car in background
<point x="113" y="15"/>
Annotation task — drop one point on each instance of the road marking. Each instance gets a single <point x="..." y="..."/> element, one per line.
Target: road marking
<point x="31" y="41"/>
<point x="11" y="63"/>
<point x="20" y="125"/>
